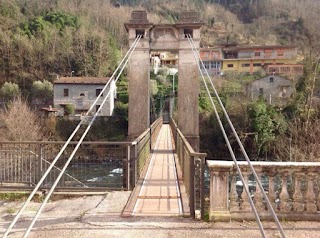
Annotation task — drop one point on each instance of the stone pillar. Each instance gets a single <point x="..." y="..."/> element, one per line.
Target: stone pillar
<point x="219" y="192"/>
<point x="188" y="84"/>
<point x="139" y="74"/>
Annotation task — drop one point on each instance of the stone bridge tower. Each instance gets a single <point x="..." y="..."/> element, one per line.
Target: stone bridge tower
<point x="168" y="37"/>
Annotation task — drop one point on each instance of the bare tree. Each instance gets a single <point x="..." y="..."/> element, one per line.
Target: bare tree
<point x="19" y="123"/>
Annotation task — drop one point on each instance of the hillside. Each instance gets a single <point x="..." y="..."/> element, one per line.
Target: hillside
<point x="42" y="39"/>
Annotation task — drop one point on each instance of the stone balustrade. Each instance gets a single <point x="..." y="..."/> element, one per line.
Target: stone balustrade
<point x="292" y="189"/>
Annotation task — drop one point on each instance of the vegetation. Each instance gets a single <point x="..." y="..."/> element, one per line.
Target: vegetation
<point x="42" y="39"/>
<point x="19" y="123"/>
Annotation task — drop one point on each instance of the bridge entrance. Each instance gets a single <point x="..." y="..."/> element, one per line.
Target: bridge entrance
<point x="168" y="37"/>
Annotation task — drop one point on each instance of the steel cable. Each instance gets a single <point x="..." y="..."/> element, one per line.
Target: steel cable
<point x="126" y="59"/>
<point x="198" y="59"/>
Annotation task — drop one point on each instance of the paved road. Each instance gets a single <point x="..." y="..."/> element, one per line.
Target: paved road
<point x="99" y="216"/>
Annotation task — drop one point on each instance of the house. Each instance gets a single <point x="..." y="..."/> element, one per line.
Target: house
<point x="81" y="92"/>
<point x="250" y="59"/>
<point x="285" y="69"/>
<point x="273" y="88"/>
<point x="212" y="60"/>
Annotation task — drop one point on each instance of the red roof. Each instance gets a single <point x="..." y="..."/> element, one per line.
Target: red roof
<point x="81" y="80"/>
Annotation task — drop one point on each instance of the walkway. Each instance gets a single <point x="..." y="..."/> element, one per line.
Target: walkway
<point x="159" y="194"/>
<point x="100" y="217"/>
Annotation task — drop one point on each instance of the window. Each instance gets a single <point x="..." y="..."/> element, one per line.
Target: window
<point x="257" y="54"/>
<point x="98" y="91"/>
<point x="271" y="79"/>
<point x="215" y="65"/>
<point x="257" y="65"/>
<point x="140" y="32"/>
<point x="245" y="65"/>
<point x="230" y="65"/>
<point x="65" y="92"/>
<point x="82" y="94"/>
<point x="268" y="54"/>
<point x="97" y="107"/>
<point x="206" y="65"/>
<point x="188" y="32"/>
<point x="261" y="91"/>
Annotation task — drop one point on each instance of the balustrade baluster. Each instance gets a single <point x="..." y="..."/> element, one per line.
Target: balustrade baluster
<point x="245" y="206"/>
<point x="272" y="194"/>
<point x="298" y="203"/>
<point x="311" y="206"/>
<point x="258" y="198"/>
<point x="234" y="197"/>
<point x="285" y="205"/>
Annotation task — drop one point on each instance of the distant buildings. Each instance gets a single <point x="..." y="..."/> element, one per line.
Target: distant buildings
<point x="279" y="59"/>
<point x="81" y="92"/>
<point x="274" y="89"/>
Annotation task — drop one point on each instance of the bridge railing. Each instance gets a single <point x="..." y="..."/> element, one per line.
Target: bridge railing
<point x="292" y="188"/>
<point x="192" y="165"/>
<point x="143" y="146"/>
<point x="106" y="165"/>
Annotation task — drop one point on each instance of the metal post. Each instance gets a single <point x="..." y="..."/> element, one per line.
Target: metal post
<point x="202" y="164"/>
<point x="38" y="171"/>
<point x="191" y="187"/>
<point x="128" y="167"/>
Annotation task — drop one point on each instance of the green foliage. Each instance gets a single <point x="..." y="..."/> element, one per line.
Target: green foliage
<point x="205" y="104"/>
<point x="12" y="197"/>
<point x="121" y="110"/>
<point x="153" y="87"/>
<point x="58" y="20"/>
<point x="42" y="89"/>
<point x="266" y="123"/>
<point x="9" y="90"/>
<point x="69" y="109"/>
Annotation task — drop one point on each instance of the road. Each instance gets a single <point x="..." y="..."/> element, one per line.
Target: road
<point x="99" y="216"/>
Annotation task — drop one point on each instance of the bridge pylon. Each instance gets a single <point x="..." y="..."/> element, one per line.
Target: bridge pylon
<point x="168" y="37"/>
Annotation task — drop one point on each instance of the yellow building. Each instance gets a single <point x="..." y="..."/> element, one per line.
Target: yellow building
<point x="253" y="58"/>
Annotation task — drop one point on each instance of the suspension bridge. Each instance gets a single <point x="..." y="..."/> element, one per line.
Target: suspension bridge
<point x="161" y="163"/>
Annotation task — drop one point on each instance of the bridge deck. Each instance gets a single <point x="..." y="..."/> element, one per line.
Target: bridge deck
<point x="159" y="194"/>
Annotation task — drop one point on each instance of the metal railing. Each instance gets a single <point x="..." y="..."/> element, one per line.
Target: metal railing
<point x="193" y="168"/>
<point x="109" y="165"/>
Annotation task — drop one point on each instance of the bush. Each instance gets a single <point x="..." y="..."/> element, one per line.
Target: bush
<point x="69" y="109"/>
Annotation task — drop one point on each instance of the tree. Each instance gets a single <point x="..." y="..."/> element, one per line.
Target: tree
<point x="19" y="123"/>
<point x="43" y="90"/>
<point x="9" y="90"/>
<point x="266" y="123"/>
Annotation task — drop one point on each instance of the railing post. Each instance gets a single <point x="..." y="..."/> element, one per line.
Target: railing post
<point x="191" y="187"/>
<point x="202" y="167"/>
<point x="38" y="169"/>
<point x="219" y="190"/>
<point x="128" y="167"/>
<point x="134" y="164"/>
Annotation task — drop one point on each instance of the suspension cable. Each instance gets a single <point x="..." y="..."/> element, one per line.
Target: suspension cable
<point x="229" y="146"/>
<point x="198" y="59"/>
<point x="126" y="59"/>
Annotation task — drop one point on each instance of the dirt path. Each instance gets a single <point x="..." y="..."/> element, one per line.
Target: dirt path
<point x="99" y="216"/>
